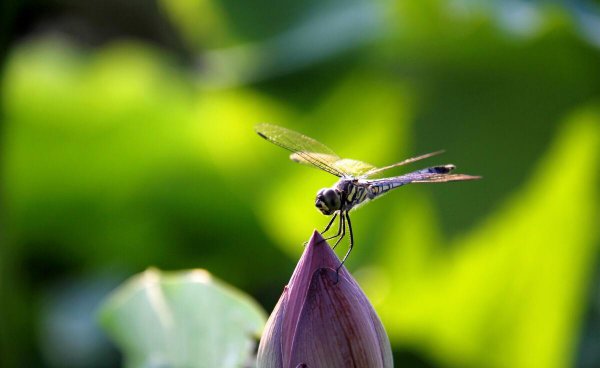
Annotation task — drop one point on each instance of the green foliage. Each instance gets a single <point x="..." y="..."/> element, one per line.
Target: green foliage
<point x="182" y="319"/>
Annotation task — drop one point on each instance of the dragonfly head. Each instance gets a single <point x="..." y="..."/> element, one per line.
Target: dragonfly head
<point x="328" y="200"/>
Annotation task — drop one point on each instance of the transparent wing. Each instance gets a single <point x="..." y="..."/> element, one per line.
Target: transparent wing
<point x="443" y="178"/>
<point x="306" y="150"/>
<point x="377" y="170"/>
<point x="348" y="166"/>
<point x="436" y="174"/>
<point x="353" y="167"/>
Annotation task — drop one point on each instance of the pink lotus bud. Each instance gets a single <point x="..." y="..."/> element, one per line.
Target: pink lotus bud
<point x="322" y="321"/>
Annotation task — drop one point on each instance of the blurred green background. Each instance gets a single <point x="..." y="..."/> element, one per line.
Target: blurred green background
<point x="128" y="142"/>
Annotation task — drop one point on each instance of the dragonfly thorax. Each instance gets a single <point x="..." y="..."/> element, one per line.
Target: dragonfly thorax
<point x="329" y="200"/>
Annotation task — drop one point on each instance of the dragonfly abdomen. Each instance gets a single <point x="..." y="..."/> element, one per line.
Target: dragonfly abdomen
<point x="378" y="188"/>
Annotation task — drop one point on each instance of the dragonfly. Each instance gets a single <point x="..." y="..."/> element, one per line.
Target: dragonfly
<point x="355" y="186"/>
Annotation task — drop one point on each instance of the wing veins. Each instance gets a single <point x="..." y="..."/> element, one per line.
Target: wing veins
<point x="443" y="178"/>
<point x="318" y="163"/>
<point x="300" y="145"/>
<point x="416" y="177"/>
<point x="401" y="163"/>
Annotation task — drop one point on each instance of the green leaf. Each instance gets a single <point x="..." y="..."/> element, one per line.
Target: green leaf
<point x="182" y="319"/>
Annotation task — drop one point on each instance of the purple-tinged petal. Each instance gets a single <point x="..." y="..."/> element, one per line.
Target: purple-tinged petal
<point x="269" y="350"/>
<point x="335" y="328"/>
<point x="317" y="254"/>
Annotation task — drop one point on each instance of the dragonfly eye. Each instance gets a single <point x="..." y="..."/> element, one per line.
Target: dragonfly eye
<point x="328" y="201"/>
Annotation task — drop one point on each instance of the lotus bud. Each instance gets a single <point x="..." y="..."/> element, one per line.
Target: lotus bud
<point x="323" y="319"/>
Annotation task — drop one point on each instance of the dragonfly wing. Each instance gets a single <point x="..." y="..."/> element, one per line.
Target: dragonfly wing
<point x="330" y="159"/>
<point x="353" y="167"/>
<point x="304" y="149"/>
<point x="436" y="174"/>
<point x="443" y="178"/>
<point x="348" y="166"/>
<point x="377" y="170"/>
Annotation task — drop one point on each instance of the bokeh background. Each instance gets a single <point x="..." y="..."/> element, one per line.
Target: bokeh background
<point x="127" y="141"/>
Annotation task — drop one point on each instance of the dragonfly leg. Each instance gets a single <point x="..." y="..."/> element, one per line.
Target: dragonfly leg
<point x="339" y="232"/>
<point x="342" y="231"/>
<point x="330" y="223"/>
<point x="351" y="242"/>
